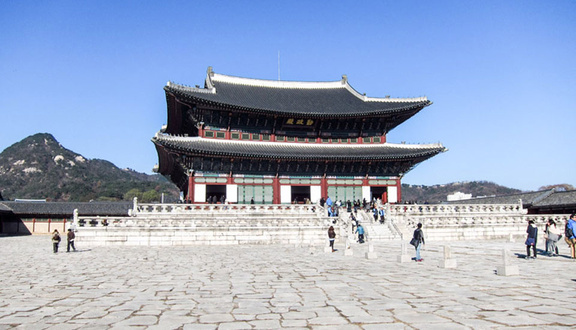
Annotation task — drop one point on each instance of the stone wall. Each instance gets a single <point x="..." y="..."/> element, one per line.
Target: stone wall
<point x="188" y="224"/>
<point x="468" y="222"/>
<point x="216" y="224"/>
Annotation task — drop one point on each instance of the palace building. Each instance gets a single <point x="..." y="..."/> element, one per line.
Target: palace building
<point x="277" y="142"/>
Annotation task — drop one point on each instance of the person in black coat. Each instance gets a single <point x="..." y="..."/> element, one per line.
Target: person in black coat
<point x="532" y="238"/>
<point x="419" y="238"/>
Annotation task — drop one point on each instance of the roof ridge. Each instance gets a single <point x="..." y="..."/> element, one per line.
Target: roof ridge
<point x="212" y="77"/>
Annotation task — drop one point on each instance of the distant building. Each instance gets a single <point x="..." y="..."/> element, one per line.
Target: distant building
<point x="458" y="196"/>
<point x="285" y="141"/>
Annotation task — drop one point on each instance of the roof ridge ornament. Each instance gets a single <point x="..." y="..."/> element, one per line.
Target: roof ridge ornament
<point x="209" y="74"/>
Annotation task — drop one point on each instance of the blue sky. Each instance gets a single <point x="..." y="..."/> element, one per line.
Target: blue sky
<point x="501" y="74"/>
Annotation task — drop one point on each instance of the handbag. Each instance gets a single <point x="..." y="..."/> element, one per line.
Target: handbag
<point x="530" y="241"/>
<point x="414" y="242"/>
<point x="554" y="237"/>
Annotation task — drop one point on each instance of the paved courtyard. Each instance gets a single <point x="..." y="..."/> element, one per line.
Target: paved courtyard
<point x="269" y="287"/>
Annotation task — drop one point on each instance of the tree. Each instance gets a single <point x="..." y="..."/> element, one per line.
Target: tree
<point x="135" y="192"/>
<point x="150" y="196"/>
<point x="558" y="187"/>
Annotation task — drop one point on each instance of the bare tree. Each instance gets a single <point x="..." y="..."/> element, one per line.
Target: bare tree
<point x="558" y="187"/>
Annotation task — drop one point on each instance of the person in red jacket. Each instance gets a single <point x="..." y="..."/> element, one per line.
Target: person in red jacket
<point x="71" y="236"/>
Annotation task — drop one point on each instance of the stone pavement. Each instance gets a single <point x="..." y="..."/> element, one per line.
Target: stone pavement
<point x="269" y="287"/>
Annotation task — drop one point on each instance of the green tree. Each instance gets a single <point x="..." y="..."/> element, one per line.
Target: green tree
<point x="150" y="196"/>
<point x="135" y="192"/>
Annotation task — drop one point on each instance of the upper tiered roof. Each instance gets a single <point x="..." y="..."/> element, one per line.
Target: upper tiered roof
<point x="293" y="98"/>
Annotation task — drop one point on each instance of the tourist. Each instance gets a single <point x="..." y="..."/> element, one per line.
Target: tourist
<point x="71" y="238"/>
<point x="553" y="234"/>
<point x="418" y="238"/>
<point x="331" y="237"/>
<point x="353" y="221"/>
<point x="532" y="239"/>
<point x="569" y="233"/>
<point x="360" y="231"/>
<point x="55" y="240"/>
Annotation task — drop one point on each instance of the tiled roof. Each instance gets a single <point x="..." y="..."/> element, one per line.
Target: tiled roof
<point x="67" y="209"/>
<point x="306" y="99"/>
<point x="564" y="198"/>
<point x="4" y="208"/>
<point x="304" y="151"/>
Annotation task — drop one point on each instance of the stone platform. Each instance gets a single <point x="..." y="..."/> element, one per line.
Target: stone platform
<point x="280" y="286"/>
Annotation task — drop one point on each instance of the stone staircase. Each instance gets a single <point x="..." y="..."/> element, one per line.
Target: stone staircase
<point x="375" y="230"/>
<point x="379" y="232"/>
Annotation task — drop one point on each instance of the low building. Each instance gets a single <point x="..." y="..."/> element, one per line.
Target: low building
<point x="24" y="218"/>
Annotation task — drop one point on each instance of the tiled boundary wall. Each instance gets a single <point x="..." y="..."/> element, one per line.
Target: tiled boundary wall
<point x="468" y="222"/>
<point x="33" y="226"/>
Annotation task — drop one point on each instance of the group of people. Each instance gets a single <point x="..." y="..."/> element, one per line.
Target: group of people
<point x="70" y="236"/>
<point x="552" y="234"/>
<point x="417" y="240"/>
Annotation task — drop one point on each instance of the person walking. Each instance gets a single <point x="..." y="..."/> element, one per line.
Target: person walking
<point x="532" y="239"/>
<point x="418" y="237"/>
<point x="360" y="231"/>
<point x="331" y="237"/>
<point x="55" y="240"/>
<point x="71" y="236"/>
<point x="570" y="234"/>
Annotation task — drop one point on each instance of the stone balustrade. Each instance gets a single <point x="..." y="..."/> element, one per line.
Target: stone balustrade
<point x="462" y="222"/>
<point x="207" y="224"/>
<point x="271" y="209"/>
<point x="189" y="224"/>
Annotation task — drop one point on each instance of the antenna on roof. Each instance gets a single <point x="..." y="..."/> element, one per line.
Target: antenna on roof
<point x="278" y="65"/>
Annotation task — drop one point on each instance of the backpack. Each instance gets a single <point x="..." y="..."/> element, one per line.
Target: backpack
<point x="568" y="231"/>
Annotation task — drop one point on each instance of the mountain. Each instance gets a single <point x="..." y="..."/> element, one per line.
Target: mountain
<point x="439" y="193"/>
<point x="38" y="167"/>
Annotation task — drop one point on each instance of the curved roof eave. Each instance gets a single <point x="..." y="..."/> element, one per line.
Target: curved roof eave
<point x="376" y="112"/>
<point x="298" y="151"/>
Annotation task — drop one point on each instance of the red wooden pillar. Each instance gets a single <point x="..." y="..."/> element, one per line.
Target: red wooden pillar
<point x="399" y="189"/>
<point x="275" y="190"/>
<point x="190" y="195"/>
<point x="323" y="187"/>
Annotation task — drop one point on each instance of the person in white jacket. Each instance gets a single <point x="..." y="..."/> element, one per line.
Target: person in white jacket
<point x="552" y="235"/>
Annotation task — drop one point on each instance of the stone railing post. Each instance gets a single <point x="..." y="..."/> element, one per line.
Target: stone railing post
<point x="135" y="206"/>
<point x="75" y="223"/>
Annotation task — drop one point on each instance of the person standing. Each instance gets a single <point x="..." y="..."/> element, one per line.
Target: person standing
<point x="532" y="239"/>
<point x="553" y="234"/>
<point x="570" y="234"/>
<point x="71" y="236"/>
<point x="419" y="238"/>
<point x="331" y="237"/>
<point x="55" y="240"/>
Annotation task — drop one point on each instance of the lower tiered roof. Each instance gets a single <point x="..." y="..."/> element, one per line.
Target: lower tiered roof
<point x="302" y="151"/>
